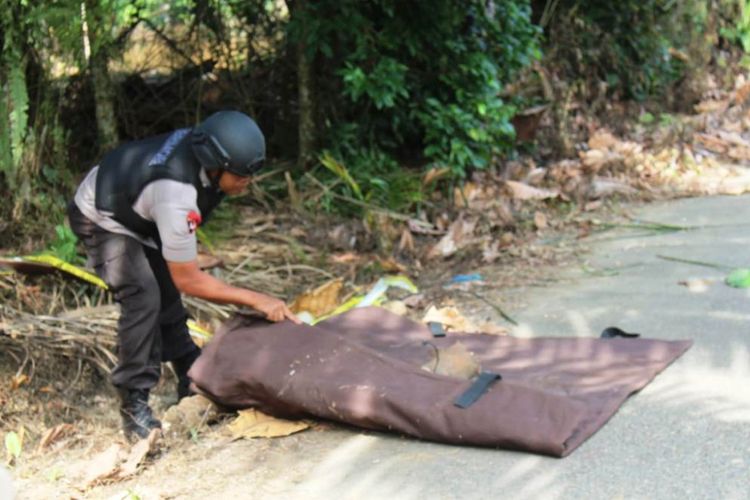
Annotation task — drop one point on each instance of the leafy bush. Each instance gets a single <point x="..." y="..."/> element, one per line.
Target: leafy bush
<point x="630" y="45"/>
<point x="64" y="246"/>
<point x="418" y="76"/>
<point x="736" y="26"/>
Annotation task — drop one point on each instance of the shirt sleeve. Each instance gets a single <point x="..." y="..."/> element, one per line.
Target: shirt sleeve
<point x="175" y="212"/>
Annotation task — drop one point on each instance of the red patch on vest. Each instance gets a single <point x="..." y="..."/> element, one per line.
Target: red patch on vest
<point x="193" y="221"/>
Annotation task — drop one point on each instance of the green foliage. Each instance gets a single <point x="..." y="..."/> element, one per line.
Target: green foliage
<point x="424" y="75"/>
<point x="737" y="24"/>
<point x="31" y="140"/>
<point x="628" y="44"/>
<point x="15" y="101"/>
<point x="341" y="172"/>
<point x="64" y="246"/>
<point x="383" y="86"/>
<point x="12" y="445"/>
<point x="366" y="174"/>
<point x="220" y="225"/>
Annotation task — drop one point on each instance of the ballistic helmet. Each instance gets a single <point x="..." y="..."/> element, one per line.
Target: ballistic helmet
<point x="229" y="140"/>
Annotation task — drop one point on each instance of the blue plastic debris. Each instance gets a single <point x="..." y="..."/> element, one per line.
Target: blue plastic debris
<point x="465" y="278"/>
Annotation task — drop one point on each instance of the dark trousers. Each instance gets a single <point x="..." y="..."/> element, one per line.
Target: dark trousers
<point x="152" y="325"/>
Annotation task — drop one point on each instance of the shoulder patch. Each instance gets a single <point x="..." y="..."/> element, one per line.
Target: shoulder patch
<point x="193" y="221"/>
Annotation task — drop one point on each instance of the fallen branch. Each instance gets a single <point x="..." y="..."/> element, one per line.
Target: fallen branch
<point x="696" y="262"/>
<point x="494" y="306"/>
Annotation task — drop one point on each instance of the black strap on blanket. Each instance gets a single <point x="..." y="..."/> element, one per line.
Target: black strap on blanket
<point x="475" y="391"/>
<point x="613" y="331"/>
<point x="436" y="328"/>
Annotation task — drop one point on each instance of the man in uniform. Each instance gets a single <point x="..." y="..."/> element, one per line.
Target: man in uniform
<point x="137" y="213"/>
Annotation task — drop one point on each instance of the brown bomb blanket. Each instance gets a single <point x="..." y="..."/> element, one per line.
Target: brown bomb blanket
<point x="364" y="368"/>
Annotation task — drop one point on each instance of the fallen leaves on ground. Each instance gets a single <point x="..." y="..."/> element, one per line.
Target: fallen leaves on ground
<point x="53" y="435"/>
<point x="252" y="423"/>
<point x="521" y="191"/>
<point x="458" y="236"/>
<point x="18" y="380"/>
<point x="454" y="321"/>
<point x="138" y="454"/>
<point x="116" y="462"/>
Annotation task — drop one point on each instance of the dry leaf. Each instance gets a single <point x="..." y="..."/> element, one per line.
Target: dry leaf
<point x="435" y="174"/>
<point x="507" y="239"/>
<point x="711" y="106"/>
<point x="491" y="251"/>
<point x="292" y="191"/>
<point x="602" y="187"/>
<point x="458" y="233"/>
<point x="540" y="220"/>
<point x="390" y="265"/>
<point x="54" y="434"/>
<point x="449" y="317"/>
<point x="535" y="175"/>
<point x="345" y="258"/>
<point x="453" y="320"/>
<point x="712" y="143"/>
<point x="138" y="454"/>
<point x="521" y="191"/>
<point x="18" y="380"/>
<point x="103" y="466"/>
<point x="501" y="214"/>
<point x="740" y="153"/>
<point x="464" y="195"/>
<point x="406" y="244"/>
<point x="320" y="301"/>
<point x="602" y="140"/>
<point x="595" y="160"/>
<point x="422" y="227"/>
<point x="252" y="423"/>
<point x="742" y="94"/>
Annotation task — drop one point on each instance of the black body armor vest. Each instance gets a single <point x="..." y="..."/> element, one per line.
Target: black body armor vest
<point x="129" y="168"/>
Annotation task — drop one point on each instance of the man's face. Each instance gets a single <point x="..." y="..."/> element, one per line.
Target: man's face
<point x="233" y="184"/>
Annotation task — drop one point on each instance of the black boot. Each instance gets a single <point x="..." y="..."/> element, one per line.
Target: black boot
<point x="137" y="418"/>
<point x="181" y="366"/>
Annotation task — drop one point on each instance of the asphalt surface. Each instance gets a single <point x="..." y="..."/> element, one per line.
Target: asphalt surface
<point x="686" y="435"/>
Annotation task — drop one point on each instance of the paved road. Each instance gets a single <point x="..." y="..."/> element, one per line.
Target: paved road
<point x="685" y="436"/>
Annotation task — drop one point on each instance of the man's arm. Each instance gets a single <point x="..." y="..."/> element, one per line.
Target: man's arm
<point x="190" y="280"/>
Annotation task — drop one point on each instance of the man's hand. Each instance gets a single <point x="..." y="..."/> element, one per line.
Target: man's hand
<point x="274" y="309"/>
<point x="189" y="279"/>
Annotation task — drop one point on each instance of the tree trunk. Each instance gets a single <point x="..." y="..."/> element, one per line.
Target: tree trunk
<point x="104" y="91"/>
<point x="104" y="96"/>
<point x="305" y="83"/>
<point x="306" y="127"/>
